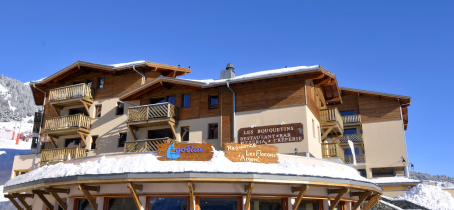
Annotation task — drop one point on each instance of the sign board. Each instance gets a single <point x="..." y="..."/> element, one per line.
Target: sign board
<point x="185" y="151"/>
<point x="392" y="187"/>
<point x="399" y="173"/>
<point x="251" y="153"/>
<point x="272" y="134"/>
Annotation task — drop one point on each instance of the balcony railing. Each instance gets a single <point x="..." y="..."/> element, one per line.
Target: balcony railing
<point x="146" y="145"/>
<point x="67" y="122"/>
<point x="352" y="137"/>
<point x="152" y="112"/>
<point x="332" y="150"/>
<point x="359" y="159"/>
<point x="71" y="92"/>
<point x="351" y="118"/>
<point x="329" y="117"/>
<point x="62" y="154"/>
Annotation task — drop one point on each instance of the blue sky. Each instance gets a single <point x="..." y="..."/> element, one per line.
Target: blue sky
<point x="399" y="47"/>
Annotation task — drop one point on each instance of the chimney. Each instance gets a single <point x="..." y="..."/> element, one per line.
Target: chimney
<point x="228" y="72"/>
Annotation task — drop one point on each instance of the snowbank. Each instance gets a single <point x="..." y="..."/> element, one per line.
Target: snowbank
<point x="431" y="197"/>
<point x="389" y="180"/>
<point x="150" y="163"/>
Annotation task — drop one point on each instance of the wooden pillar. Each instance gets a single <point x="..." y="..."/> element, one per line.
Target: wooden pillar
<point x="11" y="198"/>
<point x="249" y="189"/>
<point x="132" y="129"/>
<point x="362" y="198"/>
<point x="340" y="194"/>
<point x="86" y="191"/>
<point x="302" y="190"/>
<point x="21" y="198"/>
<point x="191" y="196"/>
<point x="374" y="200"/>
<point x="53" y="141"/>
<point x="83" y="138"/>
<point x="40" y="194"/>
<point x="54" y="191"/>
<point x="132" y="187"/>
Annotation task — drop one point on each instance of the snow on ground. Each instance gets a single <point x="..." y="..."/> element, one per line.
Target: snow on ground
<point x="429" y="196"/>
<point x="3" y="90"/>
<point x="11" y="144"/>
<point x="395" y="179"/>
<point x="150" y="163"/>
<point x="15" y="125"/>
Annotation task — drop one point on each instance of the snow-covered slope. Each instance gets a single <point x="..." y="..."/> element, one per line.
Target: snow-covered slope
<point x="431" y="197"/>
<point x="16" y="100"/>
<point x="446" y="182"/>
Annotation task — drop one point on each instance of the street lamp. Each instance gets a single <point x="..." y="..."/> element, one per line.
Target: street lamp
<point x="296" y="151"/>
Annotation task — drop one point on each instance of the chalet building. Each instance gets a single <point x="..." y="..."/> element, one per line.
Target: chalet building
<point x="93" y="110"/>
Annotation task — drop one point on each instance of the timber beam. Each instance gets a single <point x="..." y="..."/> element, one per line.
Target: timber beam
<point x="53" y="141"/>
<point x="327" y="132"/>
<point x="11" y="198"/>
<point x="54" y="192"/>
<point x="83" y="138"/>
<point x="340" y="194"/>
<point x="21" y="198"/>
<point x="191" y="196"/>
<point x="86" y="107"/>
<point x="132" y="129"/>
<point x="248" y="188"/>
<point x="132" y="187"/>
<point x="172" y="126"/>
<point x="40" y="194"/>
<point x="374" y="200"/>
<point x="86" y="191"/>
<point x="302" y="190"/>
<point x="362" y="197"/>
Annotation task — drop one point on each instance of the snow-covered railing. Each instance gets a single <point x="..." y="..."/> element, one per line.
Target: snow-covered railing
<point x="152" y="111"/>
<point x="61" y="154"/>
<point x="331" y="115"/>
<point x="333" y="150"/>
<point x="352" y="137"/>
<point x="146" y="145"/>
<point x="71" y="92"/>
<point x="359" y="159"/>
<point x="65" y="122"/>
<point x="351" y="118"/>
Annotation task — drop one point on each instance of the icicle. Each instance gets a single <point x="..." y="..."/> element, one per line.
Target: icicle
<point x="352" y="148"/>
<point x="69" y="156"/>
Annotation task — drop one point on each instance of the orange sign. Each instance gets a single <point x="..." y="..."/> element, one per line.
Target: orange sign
<point x="251" y="153"/>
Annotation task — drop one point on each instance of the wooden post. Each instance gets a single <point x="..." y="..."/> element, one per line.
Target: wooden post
<point x="302" y="191"/>
<point x="11" y="198"/>
<point x="248" y="188"/>
<point x="132" y="187"/>
<point x="83" y="138"/>
<point x="86" y="191"/>
<point x="86" y="107"/>
<point x="53" y="141"/>
<point x="172" y="126"/>
<point x="191" y="196"/>
<point x="327" y="132"/>
<point x="340" y="194"/>
<point x="374" y="200"/>
<point x="54" y="191"/>
<point x="40" y="194"/>
<point x="362" y="198"/>
<point x="131" y="129"/>
<point x="21" y="199"/>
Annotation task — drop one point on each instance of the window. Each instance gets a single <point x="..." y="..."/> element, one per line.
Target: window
<point x="349" y="151"/>
<point x="350" y="131"/>
<point x="346" y="113"/>
<point x="220" y="203"/>
<point x="362" y="172"/>
<point x="120" y="204"/>
<point x="313" y="128"/>
<point x="93" y="141"/>
<point x="161" y="133"/>
<point x="89" y="82"/>
<point x="171" y="203"/>
<point x="121" y="139"/>
<point x="213" y="131"/>
<point x="82" y="204"/>
<point x="186" y="100"/>
<point x="185" y="133"/>
<point x="81" y="110"/>
<point x="157" y="100"/>
<point x="120" y="108"/>
<point x="318" y="131"/>
<point x="264" y="203"/>
<point x="309" y="205"/>
<point x="101" y="83"/>
<point x="20" y="172"/>
<point x="75" y="142"/>
<point x="98" y="109"/>
<point x="213" y="102"/>
<point x="171" y="99"/>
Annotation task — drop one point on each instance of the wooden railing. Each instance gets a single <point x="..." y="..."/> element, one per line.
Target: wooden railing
<point x="152" y="111"/>
<point x="331" y="115"/>
<point x="65" y="122"/>
<point x="57" y="155"/>
<point x="70" y="92"/>
<point x="146" y="145"/>
<point x="352" y="137"/>
<point x="351" y="118"/>
<point x="332" y="150"/>
<point x="359" y="159"/>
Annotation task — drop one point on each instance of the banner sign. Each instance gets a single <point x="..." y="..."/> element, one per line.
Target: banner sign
<point x="392" y="187"/>
<point x="272" y="134"/>
<point x="251" y="153"/>
<point x="185" y="151"/>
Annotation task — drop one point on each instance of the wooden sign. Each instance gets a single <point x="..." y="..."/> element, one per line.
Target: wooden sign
<point x="185" y="151"/>
<point x="251" y="153"/>
<point x="392" y="187"/>
<point x="272" y="134"/>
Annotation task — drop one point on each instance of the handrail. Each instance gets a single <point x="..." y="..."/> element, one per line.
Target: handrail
<point x="165" y="138"/>
<point x="152" y="111"/>
<point x="331" y="115"/>
<point x="64" y="122"/>
<point x="351" y="118"/>
<point x="71" y="91"/>
<point x="332" y="150"/>
<point x="359" y="158"/>
<point x="61" y="154"/>
<point x="352" y="137"/>
<point x="148" y="145"/>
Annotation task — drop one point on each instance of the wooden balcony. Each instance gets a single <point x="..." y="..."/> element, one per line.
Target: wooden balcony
<point x="152" y="115"/>
<point x="359" y="159"/>
<point x="332" y="150"/>
<point x="67" y="125"/>
<point x="331" y="121"/>
<point x="352" y="137"/>
<point x="351" y="119"/>
<point x="80" y="94"/>
<point x="62" y="154"/>
<point x="146" y="145"/>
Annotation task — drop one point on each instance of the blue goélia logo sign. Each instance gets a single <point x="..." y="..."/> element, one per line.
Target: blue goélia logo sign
<point x="173" y="153"/>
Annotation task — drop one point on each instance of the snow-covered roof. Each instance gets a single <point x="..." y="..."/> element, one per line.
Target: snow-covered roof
<point x="148" y="163"/>
<point x="394" y="180"/>
<point x="121" y="65"/>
